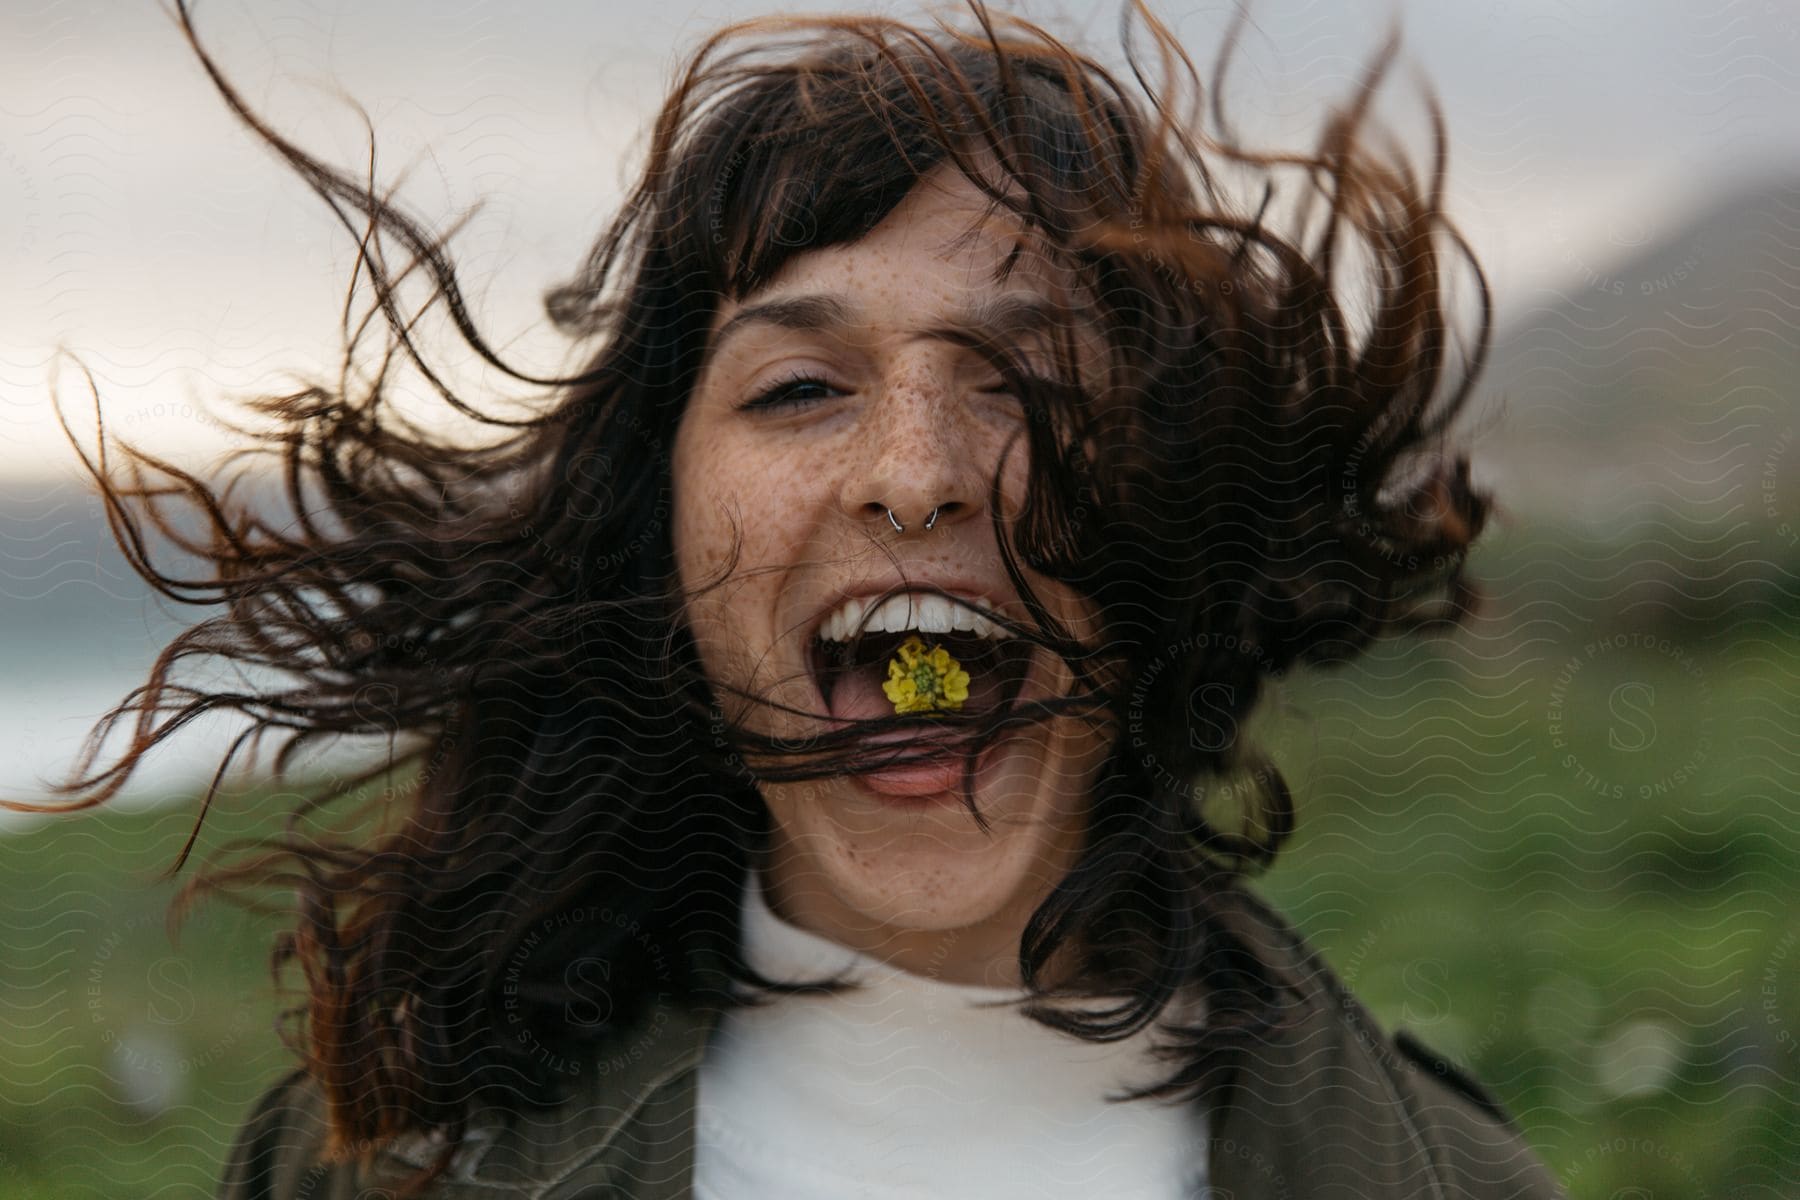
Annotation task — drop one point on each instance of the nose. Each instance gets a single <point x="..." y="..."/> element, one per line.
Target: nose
<point x="919" y="450"/>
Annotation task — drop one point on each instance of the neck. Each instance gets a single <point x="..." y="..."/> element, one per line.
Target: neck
<point x="983" y="953"/>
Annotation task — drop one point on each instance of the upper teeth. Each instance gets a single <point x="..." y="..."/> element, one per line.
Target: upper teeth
<point x="927" y="614"/>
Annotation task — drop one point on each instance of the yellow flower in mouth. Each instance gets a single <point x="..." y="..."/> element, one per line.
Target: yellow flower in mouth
<point x="919" y="681"/>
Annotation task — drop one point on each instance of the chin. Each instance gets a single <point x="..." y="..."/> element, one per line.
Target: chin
<point x="920" y="861"/>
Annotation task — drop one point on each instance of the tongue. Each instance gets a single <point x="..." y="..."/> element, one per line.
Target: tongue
<point x="857" y="696"/>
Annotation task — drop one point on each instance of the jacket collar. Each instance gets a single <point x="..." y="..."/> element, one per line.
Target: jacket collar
<point x="1313" y="1109"/>
<point x="1310" y="1109"/>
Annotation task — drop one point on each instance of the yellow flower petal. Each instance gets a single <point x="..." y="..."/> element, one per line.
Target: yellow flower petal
<point x="956" y="686"/>
<point x="899" y="688"/>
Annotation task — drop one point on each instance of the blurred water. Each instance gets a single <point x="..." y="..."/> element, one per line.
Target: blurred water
<point x="45" y="719"/>
<point x="78" y="631"/>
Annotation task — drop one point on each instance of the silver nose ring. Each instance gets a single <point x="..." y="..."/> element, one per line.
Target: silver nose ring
<point x="899" y="528"/>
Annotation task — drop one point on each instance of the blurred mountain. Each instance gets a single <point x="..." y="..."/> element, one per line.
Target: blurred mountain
<point x="1651" y="406"/>
<point x="1657" y="369"/>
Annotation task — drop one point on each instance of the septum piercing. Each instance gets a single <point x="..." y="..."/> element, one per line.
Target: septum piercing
<point x="899" y="528"/>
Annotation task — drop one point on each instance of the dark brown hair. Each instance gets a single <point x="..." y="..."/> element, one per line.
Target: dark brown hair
<point x="1254" y="485"/>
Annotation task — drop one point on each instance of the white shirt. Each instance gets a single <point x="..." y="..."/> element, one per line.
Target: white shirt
<point x="903" y="1091"/>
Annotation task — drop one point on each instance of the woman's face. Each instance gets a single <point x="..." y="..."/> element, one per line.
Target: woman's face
<point x="891" y="416"/>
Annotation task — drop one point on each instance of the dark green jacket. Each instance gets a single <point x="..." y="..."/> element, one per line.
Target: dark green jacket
<point x="1327" y="1108"/>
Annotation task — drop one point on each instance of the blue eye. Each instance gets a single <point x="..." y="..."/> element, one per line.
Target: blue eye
<point x="792" y="392"/>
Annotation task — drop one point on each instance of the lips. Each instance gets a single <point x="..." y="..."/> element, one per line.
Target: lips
<point x="920" y="758"/>
<point x="929" y="750"/>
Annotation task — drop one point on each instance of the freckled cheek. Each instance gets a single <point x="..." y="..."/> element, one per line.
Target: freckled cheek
<point x="703" y="549"/>
<point x="701" y="539"/>
<point x="702" y="534"/>
<point x="722" y="508"/>
<point x="707" y="487"/>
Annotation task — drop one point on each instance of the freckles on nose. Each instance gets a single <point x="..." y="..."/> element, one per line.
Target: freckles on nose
<point x="916" y="410"/>
<point x="915" y="445"/>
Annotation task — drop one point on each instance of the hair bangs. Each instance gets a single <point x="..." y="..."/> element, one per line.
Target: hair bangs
<point x="821" y="151"/>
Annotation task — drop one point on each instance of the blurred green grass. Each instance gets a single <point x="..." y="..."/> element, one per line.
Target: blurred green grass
<point x="1569" y="864"/>
<point x="1565" y="860"/>
<point x="127" y="1060"/>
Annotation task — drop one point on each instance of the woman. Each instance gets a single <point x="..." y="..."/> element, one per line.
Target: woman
<point x="804" y="722"/>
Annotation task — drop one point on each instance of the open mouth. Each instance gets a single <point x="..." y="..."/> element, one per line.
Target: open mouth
<point x="849" y="667"/>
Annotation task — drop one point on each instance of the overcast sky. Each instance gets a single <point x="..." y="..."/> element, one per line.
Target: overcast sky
<point x="143" y="230"/>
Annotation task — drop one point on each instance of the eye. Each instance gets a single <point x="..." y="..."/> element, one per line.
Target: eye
<point x="1014" y="391"/>
<point x="792" y="391"/>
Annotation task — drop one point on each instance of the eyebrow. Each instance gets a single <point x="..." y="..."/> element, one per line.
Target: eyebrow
<point x="797" y="312"/>
<point x="987" y="318"/>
